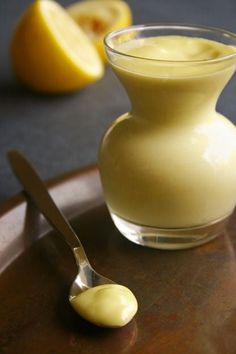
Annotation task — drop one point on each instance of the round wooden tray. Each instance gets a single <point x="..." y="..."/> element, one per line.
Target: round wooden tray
<point x="187" y="299"/>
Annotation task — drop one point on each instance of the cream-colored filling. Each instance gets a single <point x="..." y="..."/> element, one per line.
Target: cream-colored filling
<point x="109" y="305"/>
<point x="173" y="56"/>
<point x="176" y="48"/>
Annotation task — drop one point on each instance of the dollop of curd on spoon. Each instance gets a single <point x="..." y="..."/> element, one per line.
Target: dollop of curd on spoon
<point x="109" y="305"/>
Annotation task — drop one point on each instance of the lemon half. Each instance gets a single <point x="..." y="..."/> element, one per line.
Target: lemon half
<point x="50" y="53"/>
<point x="98" y="17"/>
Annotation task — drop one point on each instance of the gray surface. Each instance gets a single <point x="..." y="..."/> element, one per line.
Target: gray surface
<point x="62" y="133"/>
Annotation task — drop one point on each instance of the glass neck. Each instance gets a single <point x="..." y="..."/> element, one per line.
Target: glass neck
<point x="164" y="99"/>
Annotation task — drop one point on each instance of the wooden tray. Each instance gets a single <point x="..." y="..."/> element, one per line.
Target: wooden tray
<point x="187" y="299"/>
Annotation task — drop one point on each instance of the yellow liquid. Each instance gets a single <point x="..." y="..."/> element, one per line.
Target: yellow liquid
<point x="171" y="162"/>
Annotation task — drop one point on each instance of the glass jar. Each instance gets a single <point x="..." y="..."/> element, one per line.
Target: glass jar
<point x="168" y="167"/>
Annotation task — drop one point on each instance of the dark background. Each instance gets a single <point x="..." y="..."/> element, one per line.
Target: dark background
<point x="62" y="133"/>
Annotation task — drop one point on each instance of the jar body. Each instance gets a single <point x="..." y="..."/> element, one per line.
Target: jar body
<point x="179" y="177"/>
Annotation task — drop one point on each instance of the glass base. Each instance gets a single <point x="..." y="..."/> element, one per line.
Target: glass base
<point x="170" y="239"/>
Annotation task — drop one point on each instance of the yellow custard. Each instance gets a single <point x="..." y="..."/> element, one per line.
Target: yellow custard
<point x="176" y="48"/>
<point x="109" y="305"/>
<point x="190" y="55"/>
<point x="171" y="162"/>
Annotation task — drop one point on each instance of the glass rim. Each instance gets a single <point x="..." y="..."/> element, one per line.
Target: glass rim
<point x="170" y="26"/>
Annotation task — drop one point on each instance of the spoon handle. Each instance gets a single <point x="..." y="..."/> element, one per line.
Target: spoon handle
<point x="38" y="193"/>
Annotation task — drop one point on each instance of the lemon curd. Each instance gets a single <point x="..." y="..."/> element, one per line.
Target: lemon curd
<point x="168" y="167"/>
<point x="109" y="305"/>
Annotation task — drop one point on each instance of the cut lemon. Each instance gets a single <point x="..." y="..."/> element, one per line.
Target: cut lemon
<point x="98" y="17"/>
<point x="50" y="53"/>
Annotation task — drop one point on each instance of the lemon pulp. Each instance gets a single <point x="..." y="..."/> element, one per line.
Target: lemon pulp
<point x="98" y="17"/>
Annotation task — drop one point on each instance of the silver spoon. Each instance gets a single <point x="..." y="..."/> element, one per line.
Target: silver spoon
<point x="36" y="190"/>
